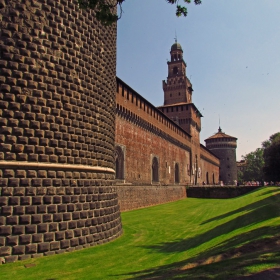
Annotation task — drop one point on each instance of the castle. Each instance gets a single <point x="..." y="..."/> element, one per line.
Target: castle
<point x="162" y="145"/>
<point x="69" y="128"/>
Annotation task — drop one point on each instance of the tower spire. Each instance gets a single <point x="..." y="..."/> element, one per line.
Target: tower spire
<point x="175" y="36"/>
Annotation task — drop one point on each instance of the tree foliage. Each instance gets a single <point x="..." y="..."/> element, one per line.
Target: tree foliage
<point x="272" y="157"/>
<point x="240" y="176"/>
<point x="106" y="11"/>
<point x="254" y="166"/>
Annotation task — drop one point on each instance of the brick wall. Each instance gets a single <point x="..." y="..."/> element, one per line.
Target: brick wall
<point x="186" y="115"/>
<point x="144" y="133"/>
<point x="141" y="146"/>
<point x="57" y="102"/>
<point x="209" y="166"/>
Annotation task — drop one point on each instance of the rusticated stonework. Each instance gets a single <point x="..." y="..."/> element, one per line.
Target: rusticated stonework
<point x="134" y="197"/>
<point x="57" y="118"/>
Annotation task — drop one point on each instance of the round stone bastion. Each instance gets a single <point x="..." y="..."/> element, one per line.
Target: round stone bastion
<point x="57" y="129"/>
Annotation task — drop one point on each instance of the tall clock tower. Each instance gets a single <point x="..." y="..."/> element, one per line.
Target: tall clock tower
<point x="178" y="90"/>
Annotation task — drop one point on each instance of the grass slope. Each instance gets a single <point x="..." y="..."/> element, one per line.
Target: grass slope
<point x="187" y="239"/>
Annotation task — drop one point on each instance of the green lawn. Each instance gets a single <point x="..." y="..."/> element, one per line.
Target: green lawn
<point x="187" y="239"/>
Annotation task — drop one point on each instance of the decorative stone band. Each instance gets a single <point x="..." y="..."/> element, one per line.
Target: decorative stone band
<point x="39" y="165"/>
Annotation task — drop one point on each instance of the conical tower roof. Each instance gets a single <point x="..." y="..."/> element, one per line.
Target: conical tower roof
<point x="220" y="134"/>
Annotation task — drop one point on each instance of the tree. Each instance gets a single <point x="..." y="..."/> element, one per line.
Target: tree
<point x="240" y="176"/>
<point x="254" y="166"/>
<point x="272" y="158"/>
<point x="106" y="11"/>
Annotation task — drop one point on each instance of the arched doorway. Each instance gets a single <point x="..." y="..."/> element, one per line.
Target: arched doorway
<point x="119" y="158"/>
<point x="177" y="179"/>
<point x="155" y="167"/>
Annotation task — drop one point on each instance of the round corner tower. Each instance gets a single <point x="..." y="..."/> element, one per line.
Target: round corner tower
<point x="57" y="116"/>
<point x="224" y="147"/>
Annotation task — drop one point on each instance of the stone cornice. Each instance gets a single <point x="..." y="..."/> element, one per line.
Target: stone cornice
<point x="42" y="165"/>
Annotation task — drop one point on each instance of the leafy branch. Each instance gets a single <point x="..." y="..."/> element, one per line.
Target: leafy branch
<point x="182" y="10"/>
<point x="106" y="11"/>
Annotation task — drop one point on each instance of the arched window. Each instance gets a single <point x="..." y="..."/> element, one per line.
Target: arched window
<point x="155" y="166"/>
<point x="207" y="178"/>
<point x="119" y="159"/>
<point x="177" y="179"/>
<point x="213" y="179"/>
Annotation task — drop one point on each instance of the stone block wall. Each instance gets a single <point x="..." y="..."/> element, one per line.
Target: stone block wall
<point x="57" y="129"/>
<point x="219" y="191"/>
<point x="134" y="197"/>
<point x="37" y="221"/>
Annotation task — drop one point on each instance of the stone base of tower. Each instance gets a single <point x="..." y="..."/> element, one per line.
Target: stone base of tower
<point x="46" y="217"/>
<point x="57" y="116"/>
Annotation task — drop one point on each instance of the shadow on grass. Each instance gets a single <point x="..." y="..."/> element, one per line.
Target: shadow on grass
<point x="211" y="265"/>
<point x="248" y="207"/>
<point x="254" y="213"/>
<point x="270" y="191"/>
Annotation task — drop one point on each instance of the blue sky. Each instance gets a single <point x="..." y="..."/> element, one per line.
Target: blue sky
<point x="232" y="51"/>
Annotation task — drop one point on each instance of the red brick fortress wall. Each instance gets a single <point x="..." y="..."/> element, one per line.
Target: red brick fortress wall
<point x="209" y="167"/>
<point x="57" y="119"/>
<point x="145" y="133"/>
